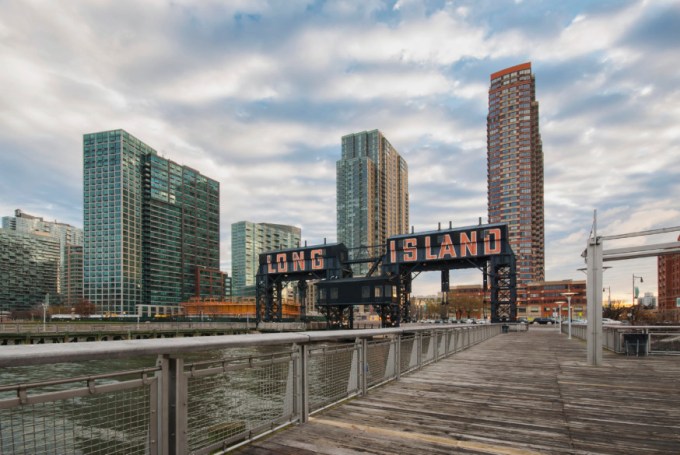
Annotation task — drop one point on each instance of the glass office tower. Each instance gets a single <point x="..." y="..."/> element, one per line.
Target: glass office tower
<point x="372" y="194"/>
<point x="515" y="170"/>
<point x="181" y="219"/>
<point x="66" y="234"/>
<point x="149" y="223"/>
<point x="29" y="270"/>
<point x="248" y="240"/>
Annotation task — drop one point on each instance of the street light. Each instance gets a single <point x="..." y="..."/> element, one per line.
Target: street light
<point x="568" y="295"/>
<point x="46" y="304"/>
<point x="609" y="295"/>
<point x="641" y="281"/>
<point x="559" y="309"/>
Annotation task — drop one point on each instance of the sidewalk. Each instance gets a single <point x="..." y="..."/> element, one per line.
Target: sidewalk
<point x="517" y="393"/>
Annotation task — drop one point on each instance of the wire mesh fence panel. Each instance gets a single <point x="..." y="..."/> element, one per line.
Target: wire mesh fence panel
<point x="453" y="341"/>
<point x="664" y="343"/>
<point x="441" y="344"/>
<point x="114" y="418"/>
<point x="379" y="363"/>
<point x="237" y="399"/>
<point x="427" y="348"/>
<point x="408" y="354"/>
<point x="332" y="374"/>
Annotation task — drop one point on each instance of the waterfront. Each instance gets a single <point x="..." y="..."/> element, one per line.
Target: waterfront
<point x="80" y="420"/>
<point x="201" y="394"/>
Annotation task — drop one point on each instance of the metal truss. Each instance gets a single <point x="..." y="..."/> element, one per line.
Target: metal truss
<point x="503" y="279"/>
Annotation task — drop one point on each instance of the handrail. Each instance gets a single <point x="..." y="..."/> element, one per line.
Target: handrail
<point x="199" y="406"/>
<point x="658" y="339"/>
<point x="41" y="354"/>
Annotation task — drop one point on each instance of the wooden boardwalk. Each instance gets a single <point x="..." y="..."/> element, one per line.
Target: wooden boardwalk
<point x="518" y="393"/>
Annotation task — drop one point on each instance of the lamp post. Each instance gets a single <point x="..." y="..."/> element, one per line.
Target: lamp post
<point x="46" y="304"/>
<point x="635" y="277"/>
<point x="559" y="309"/>
<point x="633" y="312"/>
<point x="568" y="295"/>
<point x="609" y="295"/>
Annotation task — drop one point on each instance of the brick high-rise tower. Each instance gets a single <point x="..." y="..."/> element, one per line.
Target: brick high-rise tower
<point x="515" y="170"/>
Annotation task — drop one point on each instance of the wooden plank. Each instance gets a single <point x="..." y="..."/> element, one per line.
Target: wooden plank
<point x="515" y="393"/>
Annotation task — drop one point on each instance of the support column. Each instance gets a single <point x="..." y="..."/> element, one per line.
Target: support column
<point x="594" y="295"/>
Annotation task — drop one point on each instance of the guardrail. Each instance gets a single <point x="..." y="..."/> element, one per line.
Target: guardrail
<point x="255" y="385"/>
<point x="143" y="326"/>
<point x="636" y="340"/>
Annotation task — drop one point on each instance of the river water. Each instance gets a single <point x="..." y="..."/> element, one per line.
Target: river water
<point x="221" y="404"/>
<point x="118" y="422"/>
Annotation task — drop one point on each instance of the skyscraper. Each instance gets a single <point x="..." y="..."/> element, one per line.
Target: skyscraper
<point x="515" y="170"/>
<point x="372" y="194"/>
<point x="149" y="224"/>
<point x="248" y="240"/>
<point x="29" y="270"/>
<point x="65" y="234"/>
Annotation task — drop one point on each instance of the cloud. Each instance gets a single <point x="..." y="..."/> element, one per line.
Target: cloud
<point x="257" y="94"/>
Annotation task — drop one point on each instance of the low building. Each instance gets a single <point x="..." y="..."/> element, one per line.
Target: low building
<point x="546" y="299"/>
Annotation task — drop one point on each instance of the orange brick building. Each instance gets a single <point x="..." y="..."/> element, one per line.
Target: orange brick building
<point x="669" y="281"/>
<point x="544" y="300"/>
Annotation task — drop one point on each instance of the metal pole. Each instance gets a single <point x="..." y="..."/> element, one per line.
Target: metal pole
<point x="46" y="303"/>
<point x="569" y="314"/>
<point x="559" y="319"/>
<point x="594" y="284"/>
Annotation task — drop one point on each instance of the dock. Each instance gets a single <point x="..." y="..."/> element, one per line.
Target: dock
<point x="516" y="393"/>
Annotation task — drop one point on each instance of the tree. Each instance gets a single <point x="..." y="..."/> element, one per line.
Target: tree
<point x="466" y="305"/>
<point x="615" y="310"/>
<point x="85" y="308"/>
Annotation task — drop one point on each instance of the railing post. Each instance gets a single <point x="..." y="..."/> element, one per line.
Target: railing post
<point x="301" y="383"/>
<point x="419" y="345"/>
<point x="435" y="343"/>
<point x="173" y="404"/>
<point x="648" y="341"/>
<point x="397" y="363"/>
<point x="364" y="366"/>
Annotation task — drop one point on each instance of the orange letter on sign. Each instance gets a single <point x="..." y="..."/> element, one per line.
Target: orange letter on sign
<point x="468" y="244"/>
<point x="393" y="252"/>
<point x="298" y="261"/>
<point x="496" y="234"/>
<point x="428" y="249"/>
<point x="283" y="265"/>
<point x="317" y="259"/>
<point x="410" y="252"/>
<point x="447" y="248"/>
<point x="270" y="268"/>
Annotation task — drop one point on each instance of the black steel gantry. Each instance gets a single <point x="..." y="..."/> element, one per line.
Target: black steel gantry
<point x="485" y="247"/>
<point x="318" y="262"/>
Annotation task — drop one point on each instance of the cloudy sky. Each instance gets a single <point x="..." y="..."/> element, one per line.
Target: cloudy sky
<point x="257" y="95"/>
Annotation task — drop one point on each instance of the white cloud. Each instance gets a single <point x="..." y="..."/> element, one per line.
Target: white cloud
<point x="257" y="94"/>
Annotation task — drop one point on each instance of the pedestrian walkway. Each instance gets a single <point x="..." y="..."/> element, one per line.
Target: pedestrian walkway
<point x="517" y="393"/>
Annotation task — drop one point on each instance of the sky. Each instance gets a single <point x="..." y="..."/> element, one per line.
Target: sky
<point x="257" y="94"/>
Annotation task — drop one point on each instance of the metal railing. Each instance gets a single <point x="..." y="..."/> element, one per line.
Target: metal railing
<point x="638" y="340"/>
<point x="248" y="386"/>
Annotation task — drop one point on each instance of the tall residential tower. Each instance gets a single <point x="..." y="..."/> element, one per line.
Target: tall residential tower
<point x="515" y="170"/>
<point x="151" y="226"/>
<point x="372" y="194"/>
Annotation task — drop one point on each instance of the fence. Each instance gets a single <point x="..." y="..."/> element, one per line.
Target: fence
<point x="638" y="340"/>
<point x="255" y="385"/>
